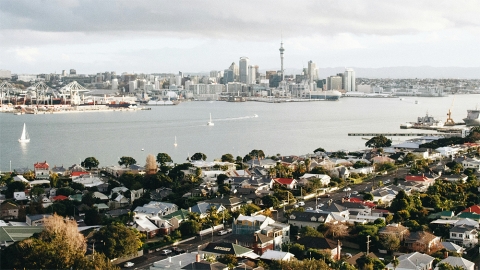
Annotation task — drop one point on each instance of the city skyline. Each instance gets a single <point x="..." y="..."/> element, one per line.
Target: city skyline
<point x="152" y="36"/>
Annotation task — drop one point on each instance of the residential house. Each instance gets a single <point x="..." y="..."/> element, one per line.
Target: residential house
<point x="424" y="242"/>
<point x="12" y="234"/>
<point x="382" y="159"/>
<point x="424" y="178"/>
<point x="457" y="262"/>
<point x="20" y="196"/>
<point x="324" y="244"/>
<point x="288" y="183"/>
<point x="324" y="179"/>
<point x="217" y="249"/>
<point x="353" y="260"/>
<point x="273" y="255"/>
<point x="464" y="235"/>
<point x="149" y="218"/>
<point x="249" y="225"/>
<point x="87" y="180"/>
<point x="452" y="247"/>
<point x="395" y="229"/>
<point x="311" y="219"/>
<point x="471" y="163"/>
<point x="36" y="220"/>
<point x="229" y="202"/>
<point x="454" y="178"/>
<point x="61" y="171"/>
<point x="202" y="208"/>
<point x="9" y="211"/>
<point x="384" y="195"/>
<point x="448" y="151"/>
<point x="41" y="170"/>
<point x="412" y="261"/>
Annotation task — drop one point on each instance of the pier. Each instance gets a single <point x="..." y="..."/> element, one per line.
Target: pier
<point x="395" y="134"/>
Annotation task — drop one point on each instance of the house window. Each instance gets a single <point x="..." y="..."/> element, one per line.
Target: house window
<point x="454" y="235"/>
<point x="460" y="235"/>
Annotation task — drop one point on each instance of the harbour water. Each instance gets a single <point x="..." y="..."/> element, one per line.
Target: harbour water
<point x="285" y="128"/>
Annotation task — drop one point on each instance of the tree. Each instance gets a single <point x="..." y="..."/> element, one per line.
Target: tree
<point x="15" y="186"/>
<point x="92" y="217"/>
<point x="228" y="158"/>
<point x="189" y="227"/>
<point x="151" y="165"/>
<point x="58" y="246"/>
<point x="368" y="197"/>
<point x="390" y="241"/>
<point x="163" y="158"/>
<point x="198" y="156"/>
<point x="90" y="162"/>
<point x="319" y="149"/>
<point x="118" y="241"/>
<point x="228" y="259"/>
<point x="378" y="141"/>
<point x="270" y="201"/>
<point x="127" y="161"/>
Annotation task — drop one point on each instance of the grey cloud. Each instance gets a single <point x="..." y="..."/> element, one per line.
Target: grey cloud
<point x="254" y="20"/>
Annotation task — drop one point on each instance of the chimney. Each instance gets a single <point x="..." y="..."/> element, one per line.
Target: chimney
<point x="445" y="254"/>
<point x="339" y="249"/>
<point x="197" y="258"/>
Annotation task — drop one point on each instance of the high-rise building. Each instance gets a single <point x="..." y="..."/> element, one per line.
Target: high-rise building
<point x="281" y="60"/>
<point x="312" y="71"/>
<point x="252" y="75"/>
<point x="334" y="83"/>
<point x="349" y="80"/>
<point x="228" y="76"/>
<point x="243" y="69"/>
<point x="73" y="71"/>
<point x="233" y="67"/>
<point x="115" y="84"/>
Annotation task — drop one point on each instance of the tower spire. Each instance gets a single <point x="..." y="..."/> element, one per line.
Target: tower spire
<point x="281" y="57"/>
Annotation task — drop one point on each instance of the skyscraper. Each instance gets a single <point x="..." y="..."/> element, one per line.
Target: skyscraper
<point x="349" y="80"/>
<point x="281" y="60"/>
<point x="243" y="69"/>
<point x="233" y="67"/>
<point x="312" y="71"/>
<point x="252" y="75"/>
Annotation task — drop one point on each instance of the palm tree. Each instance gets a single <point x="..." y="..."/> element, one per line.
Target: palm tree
<point x="395" y="262"/>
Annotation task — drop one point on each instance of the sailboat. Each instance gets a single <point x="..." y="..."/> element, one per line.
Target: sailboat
<point x="210" y="123"/>
<point x="175" y="144"/>
<point x="24" y="138"/>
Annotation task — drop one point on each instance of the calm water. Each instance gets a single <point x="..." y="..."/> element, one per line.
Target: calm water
<point x="285" y="128"/>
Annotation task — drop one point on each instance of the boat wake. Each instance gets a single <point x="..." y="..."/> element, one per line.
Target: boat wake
<point x="237" y="118"/>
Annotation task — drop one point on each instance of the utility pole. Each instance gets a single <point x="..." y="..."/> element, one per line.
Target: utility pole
<point x="368" y="244"/>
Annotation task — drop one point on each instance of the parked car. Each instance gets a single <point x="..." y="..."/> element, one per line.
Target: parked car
<point x="80" y="221"/>
<point x="301" y="203"/>
<point x="222" y="232"/>
<point x="128" y="264"/>
<point x="166" y="251"/>
<point x="178" y="250"/>
<point x="295" y="206"/>
<point x="355" y="192"/>
<point x="325" y="196"/>
<point x="310" y="208"/>
<point x="320" y="205"/>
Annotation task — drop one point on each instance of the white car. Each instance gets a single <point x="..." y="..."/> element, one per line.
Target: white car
<point x="301" y="203"/>
<point x="166" y="251"/>
<point x="355" y="192"/>
<point x="309" y="208"/>
<point x="320" y="205"/>
<point x="295" y="206"/>
<point x="128" y="264"/>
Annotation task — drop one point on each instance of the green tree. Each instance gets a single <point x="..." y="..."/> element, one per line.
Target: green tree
<point x="378" y="141"/>
<point x="189" y="227"/>
<point x="90" y="162"/>
<point x="92" y="217"/>
<point x="198" y="156"/>
<point x="390" y="242"/>
<point x="228" y="259"/>
<point x="163" y="158"/>
<point x="127" y="161"/>
<point x="116" y="240"/>
<point x="15" y="186"/>
<point x="319" y="149"/>
<point x="368" y="197"/>
<point x="270" y="201"/>
<point x="228" y="158"/>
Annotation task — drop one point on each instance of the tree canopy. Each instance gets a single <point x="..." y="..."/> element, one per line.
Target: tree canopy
<point x="198" y="156"/>
<point x="127" y="161"/>
<point x="163" y="158"/>
<point x="378" y="141"/>
<point x="90" y="162"/>
<point x="117" y="240"/>
<point x="228" y="158"/>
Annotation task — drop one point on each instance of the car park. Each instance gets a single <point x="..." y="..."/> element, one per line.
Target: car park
<point x="128" y="264"/>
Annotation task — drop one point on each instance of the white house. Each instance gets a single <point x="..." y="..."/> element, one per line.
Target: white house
<point x="324" y="179"/>
<point x="457" y="261"/>
<point x="464" y="235"/>
<point x="471" y="163"/>
<point x="413" y="261"/>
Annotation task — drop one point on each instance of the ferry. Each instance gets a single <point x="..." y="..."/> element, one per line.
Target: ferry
<point x="473" y="118"/>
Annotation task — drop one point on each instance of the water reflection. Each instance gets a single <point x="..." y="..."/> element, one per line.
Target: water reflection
<point x="23" y="147"/>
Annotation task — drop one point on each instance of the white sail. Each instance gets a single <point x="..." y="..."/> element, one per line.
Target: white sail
<point x="175" y="144"/>
<point x="210" y="123"/>
<point x="24" y="138"/>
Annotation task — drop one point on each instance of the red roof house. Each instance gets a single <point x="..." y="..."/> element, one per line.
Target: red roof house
<point x="41" y="165"/>
<point x="420" y="179"/>
<point x="41" y="170"/>
<point x="473" y="209"/>
<point x="287" y="182"/>
<point x="60" y="198"/>
<point x="74" y="174"/>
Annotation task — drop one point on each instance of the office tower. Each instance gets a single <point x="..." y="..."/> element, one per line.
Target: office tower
<point x="73" y="71"/>
<point x="233" y="67"/>
<point x="312" y="71"/>
<point x="281" y="60"/>
<point x="115" y="84"/>
<point x="228" y="76"/>
<point x="243" y="69"/>
<point x="132" y="85"/>
<point x="349" y="80"/>
<point x="251" y="75"/>
<point x="334" y="83"/>
<point x="64" y="73"/>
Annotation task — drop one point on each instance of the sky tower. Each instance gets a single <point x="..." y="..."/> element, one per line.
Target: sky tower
<point x="281" y="59"/>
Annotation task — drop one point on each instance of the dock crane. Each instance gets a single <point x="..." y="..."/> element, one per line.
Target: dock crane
<point x="450" y="121"/>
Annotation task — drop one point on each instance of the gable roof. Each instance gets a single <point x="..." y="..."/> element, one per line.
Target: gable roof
<point x="284" y="181"/>
<point x="41" y="165"/>
<point x="317" y="242"/>
<point x="226" y="248"/>
<point x="458" y="261"/>
<point x="473" y="209"/>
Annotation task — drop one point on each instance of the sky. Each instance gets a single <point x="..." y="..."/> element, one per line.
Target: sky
<point x="46" y="36"/>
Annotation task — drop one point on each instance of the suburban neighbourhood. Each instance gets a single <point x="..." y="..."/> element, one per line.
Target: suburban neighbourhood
<point x="413" y="205"/>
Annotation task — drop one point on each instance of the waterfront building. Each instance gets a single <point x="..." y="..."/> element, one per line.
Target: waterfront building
<point x="243" y="69"/>
<point x="349" y="80"/>
<point x="334" y="83"/>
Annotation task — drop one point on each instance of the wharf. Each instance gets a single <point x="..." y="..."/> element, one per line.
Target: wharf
<point x="397" y="134"/>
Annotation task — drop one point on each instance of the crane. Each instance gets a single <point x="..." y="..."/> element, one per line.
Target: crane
<point x="450" y="121"/>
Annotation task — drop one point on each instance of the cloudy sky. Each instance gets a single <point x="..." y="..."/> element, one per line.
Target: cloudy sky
<point x="43" y="36"/>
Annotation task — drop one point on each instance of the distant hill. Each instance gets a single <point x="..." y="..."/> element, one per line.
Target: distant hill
<point x="402" y="72"/>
